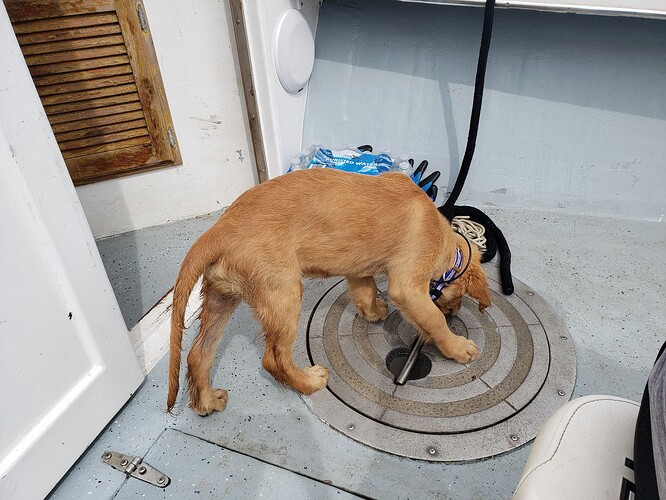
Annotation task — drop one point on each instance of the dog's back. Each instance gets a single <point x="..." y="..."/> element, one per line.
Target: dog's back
<point x="332" y="222"/>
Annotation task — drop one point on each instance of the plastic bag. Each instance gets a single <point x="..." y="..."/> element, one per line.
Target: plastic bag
<point x="352" y="161"/>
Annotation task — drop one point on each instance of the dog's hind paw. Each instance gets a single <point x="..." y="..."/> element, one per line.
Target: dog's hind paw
<point x="317" y="378"/>
<point x="210" y="401"/>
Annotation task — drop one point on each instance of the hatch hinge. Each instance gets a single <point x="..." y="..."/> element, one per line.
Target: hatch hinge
<point x="143" y="22"/>
<point x="135" y="467"/>
<point x="172" y="137"/>
<point x="305" y="4"/>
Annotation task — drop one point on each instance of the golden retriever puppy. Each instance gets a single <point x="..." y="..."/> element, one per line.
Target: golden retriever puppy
<point x="316" y="223"/>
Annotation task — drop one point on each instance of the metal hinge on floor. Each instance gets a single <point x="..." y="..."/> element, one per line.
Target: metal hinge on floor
<point x="135" y="467"/>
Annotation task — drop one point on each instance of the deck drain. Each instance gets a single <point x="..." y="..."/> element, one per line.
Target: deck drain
<point x="526" y="365"/>
<point x="397" y="358"/>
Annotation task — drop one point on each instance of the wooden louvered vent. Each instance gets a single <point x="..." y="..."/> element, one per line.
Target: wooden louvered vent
<point x="95" y="69"/>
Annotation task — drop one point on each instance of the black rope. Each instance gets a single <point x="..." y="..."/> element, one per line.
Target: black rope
<point x="495" y="238"/>
<point x="488" y="15"/>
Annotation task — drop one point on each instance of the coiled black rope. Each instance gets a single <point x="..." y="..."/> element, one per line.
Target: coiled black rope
<point x="495" y="241"/>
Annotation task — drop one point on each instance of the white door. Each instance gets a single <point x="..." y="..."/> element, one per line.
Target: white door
<point x="66" y="363"/>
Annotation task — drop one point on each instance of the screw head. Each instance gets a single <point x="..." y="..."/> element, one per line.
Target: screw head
<point x="563" y="337"/>
<point x="160" y="480"/>
<point x="351" y="427"/>
<point x="124" y="463"/>
<point x="561" y="392"/>
<point x="513" y="437"/>
<point x="142" y="470"/>
<point x="432" y="451"/>
<point x="106" y="455"/>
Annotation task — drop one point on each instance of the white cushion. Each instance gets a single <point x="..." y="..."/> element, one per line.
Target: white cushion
<point x="580" y="451"/>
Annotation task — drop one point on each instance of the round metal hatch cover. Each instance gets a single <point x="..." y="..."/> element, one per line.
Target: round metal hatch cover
<point x="525" y="370"/>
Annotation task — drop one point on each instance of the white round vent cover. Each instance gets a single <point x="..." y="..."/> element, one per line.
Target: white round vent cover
<point x="294" y="51"/>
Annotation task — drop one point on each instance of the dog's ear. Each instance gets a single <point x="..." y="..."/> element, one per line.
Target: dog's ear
<point x="477" y="285"/>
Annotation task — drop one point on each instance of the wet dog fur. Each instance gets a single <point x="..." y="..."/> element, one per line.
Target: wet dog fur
<point x="318" y="223"/>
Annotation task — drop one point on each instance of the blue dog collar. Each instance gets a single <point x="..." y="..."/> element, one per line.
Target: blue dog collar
<point x="436" y="287"/>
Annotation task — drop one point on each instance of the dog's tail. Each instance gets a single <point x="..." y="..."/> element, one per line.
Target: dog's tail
<point x="203" y="253"/>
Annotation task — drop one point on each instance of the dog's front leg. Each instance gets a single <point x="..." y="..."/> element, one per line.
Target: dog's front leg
<point x="364" y="293"/>
<point x="418" y="308"/>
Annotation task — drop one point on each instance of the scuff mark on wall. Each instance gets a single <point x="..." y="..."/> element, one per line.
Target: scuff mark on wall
<point x="212" y="119"/>
<point x="211" y="123"/>
<point x="627" y="168"/>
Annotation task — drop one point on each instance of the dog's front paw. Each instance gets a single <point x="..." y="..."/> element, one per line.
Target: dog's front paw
<point x="464" y="351"/>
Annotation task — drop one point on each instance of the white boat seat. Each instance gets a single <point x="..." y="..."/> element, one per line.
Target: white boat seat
<point x="584" y="451"/>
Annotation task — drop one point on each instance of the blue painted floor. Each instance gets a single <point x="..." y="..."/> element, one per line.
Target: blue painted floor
<point x="604" y="278"/>
<point x="142" y="265"/>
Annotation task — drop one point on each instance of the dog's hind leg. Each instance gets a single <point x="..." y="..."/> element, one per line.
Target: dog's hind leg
<point x="417" y="307"/>
<point x="279" y="309"/>
<point x="215" y="312"/>
<point x="364" y="293"/>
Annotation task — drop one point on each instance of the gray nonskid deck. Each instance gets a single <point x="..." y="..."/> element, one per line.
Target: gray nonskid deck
<point x="603" y="277"/>
<point x="142" y="265"/>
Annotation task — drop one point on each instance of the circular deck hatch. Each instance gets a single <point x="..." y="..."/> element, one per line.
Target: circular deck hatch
<point x="525" y="370"/>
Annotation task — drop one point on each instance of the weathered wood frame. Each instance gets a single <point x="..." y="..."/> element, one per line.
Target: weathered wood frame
<point x="89" y="97"/>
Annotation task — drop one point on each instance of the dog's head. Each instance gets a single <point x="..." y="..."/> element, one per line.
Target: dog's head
<point x="473" y="282"/>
